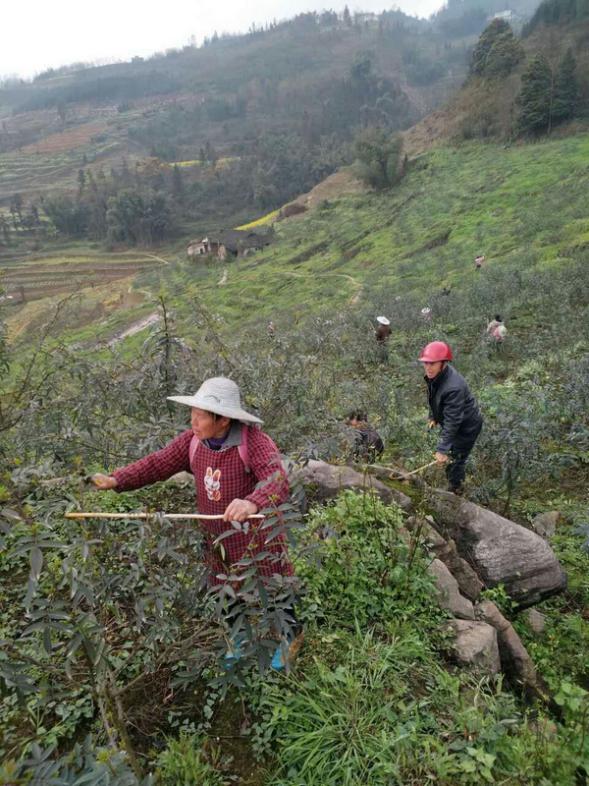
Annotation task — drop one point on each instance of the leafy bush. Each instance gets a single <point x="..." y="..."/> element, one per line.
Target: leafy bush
<point x="379" y="161"/>
<point x="370" y="574"/>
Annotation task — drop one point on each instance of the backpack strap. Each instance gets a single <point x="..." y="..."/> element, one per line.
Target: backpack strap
<point x="194" y="442"/>
<point x="242" y="448"/>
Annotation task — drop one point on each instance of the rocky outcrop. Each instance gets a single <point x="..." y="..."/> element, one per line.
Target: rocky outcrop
<point x="476" y="646"/>
<point x="324" y="481"/>
<point x="500" y="551"/>
<point x="449" y="596"/>
<point x="515" y="661"/>
<point x="445" y="550"/>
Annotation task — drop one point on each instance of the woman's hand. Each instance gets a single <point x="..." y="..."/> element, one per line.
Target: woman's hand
<point x="441" y="458"/>
<point x="240" y="510"/>
<point x="104" y="482"/>
<point x="431" y="424"/>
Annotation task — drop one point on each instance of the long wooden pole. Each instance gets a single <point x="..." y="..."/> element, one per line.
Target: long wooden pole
<point x="175" y="516"/>
<point x="419" y="469"/>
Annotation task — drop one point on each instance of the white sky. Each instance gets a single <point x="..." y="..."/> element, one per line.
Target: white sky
<point x="39" y="34"/>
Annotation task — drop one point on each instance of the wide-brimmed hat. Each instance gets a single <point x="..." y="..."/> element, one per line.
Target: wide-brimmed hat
<point x="383" y="320"/>
<point x="221" y="396"/>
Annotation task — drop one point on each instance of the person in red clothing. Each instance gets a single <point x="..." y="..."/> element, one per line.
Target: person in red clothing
<point x="237" y="473"/>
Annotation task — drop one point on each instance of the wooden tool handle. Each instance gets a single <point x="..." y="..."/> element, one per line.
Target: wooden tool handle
<point x="174" y="516"/>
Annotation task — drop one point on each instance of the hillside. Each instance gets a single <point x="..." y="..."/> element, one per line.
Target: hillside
<point x="115" y="665"/>
<point x="251" y="121"/>
<point x="376" y="650"/>
<point x="487" y="108"/>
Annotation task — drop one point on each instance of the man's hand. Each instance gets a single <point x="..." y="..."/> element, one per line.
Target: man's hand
<point x="441" y="458"/>
<point x="104" y="482"/>
<point x="431" y="424"/>
<point x="240" y="510"/>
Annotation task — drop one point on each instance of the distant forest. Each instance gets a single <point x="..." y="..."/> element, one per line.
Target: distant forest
<point x="259" y="117"/>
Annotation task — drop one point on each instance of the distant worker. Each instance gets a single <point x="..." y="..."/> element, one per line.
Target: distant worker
<point x="426" y="313"/>
<point x="382" y="334"/>
<point x="453" y="407"/>
<point x="271" y="329"/>
<point x="383" y="331"/>
<point x="496" y="329"/>
<point x="368" y="444"/>
<point x="479" y="261"/>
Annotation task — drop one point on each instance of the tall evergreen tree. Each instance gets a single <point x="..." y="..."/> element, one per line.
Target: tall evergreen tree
<point x="497" y="51"/>
<point x="535" y="98"/>
<point x="566" y="89"/>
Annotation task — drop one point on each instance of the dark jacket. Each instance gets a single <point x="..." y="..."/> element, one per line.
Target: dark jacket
<point x="454" y="408"/>
<point x="382" y="333"/>
<point x="368" y="444"/>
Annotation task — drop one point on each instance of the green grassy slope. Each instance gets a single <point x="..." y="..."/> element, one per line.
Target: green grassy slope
<point x="523" y="207"/>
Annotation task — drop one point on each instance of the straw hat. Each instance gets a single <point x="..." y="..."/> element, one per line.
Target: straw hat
<point x="383" y="320"/>
<point x="221" y="396"/>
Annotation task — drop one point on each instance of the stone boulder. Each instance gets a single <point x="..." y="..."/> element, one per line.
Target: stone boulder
<point x="325" y="481"/>
<point x="500" y="551"/>
<point x="515" y="661"/>
<point x="536" y="621"/>
<point x="445" y="550"/>
<point x="476" y="645"/>
<point x="449" y="596"/>
<point x="544" y="524"/>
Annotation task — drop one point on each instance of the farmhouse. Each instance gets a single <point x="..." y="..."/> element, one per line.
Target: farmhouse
<point x="199" y="248"/>
<point x="228" y="244"/>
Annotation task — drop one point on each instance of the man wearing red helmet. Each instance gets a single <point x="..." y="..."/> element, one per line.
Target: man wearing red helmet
<point x="453" y="407"/>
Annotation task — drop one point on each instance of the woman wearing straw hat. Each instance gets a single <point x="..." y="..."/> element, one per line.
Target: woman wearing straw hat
<point x="237" y="472"/>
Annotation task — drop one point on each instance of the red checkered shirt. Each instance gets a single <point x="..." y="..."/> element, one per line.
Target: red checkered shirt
<point x="221" y="476"/>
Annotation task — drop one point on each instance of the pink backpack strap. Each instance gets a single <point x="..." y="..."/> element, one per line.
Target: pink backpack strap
<point x="242" y="448"/>
<point x="192" y="449"/>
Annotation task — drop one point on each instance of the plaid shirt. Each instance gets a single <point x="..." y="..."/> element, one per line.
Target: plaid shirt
<point x="220" y="477"/>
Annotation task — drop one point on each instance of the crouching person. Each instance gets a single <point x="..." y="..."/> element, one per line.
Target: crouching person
<point x="237" y="474"/>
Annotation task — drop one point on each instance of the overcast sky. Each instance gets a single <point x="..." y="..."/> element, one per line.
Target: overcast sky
<point x="39" y="34"/>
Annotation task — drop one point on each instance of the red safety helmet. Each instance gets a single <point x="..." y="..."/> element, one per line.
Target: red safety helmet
<point x="435" y="351"/>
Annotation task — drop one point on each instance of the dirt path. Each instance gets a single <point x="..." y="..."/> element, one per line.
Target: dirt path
<point x="136" y="327"/>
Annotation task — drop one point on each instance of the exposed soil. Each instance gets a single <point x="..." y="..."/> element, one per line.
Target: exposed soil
<point x="136" y="327"/>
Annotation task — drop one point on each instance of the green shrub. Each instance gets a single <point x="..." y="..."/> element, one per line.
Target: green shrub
<point x="369" y="574"/>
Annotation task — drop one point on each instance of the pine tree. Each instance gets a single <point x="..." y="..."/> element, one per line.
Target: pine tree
<point x="535" y="98"/>
<point x="566" y="89"/>
<point x="347" y="17"/>
<point x="497" y="51"/>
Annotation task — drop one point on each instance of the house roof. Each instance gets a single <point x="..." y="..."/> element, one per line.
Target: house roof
<point x="238" y="240"/>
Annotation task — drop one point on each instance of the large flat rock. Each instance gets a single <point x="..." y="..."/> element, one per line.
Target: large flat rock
<point x="324" y="481"/>
<point x="501" y="551"/>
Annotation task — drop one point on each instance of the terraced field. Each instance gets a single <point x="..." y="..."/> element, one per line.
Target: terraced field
<point x="29" y="279"/>
<point x="31" y="174"/>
